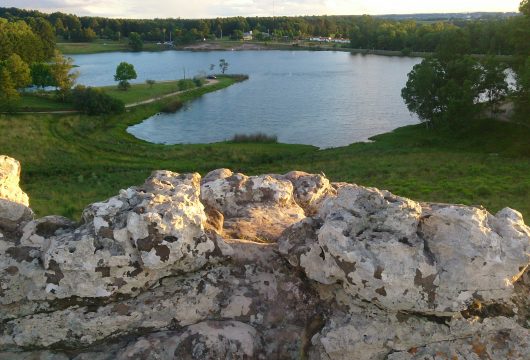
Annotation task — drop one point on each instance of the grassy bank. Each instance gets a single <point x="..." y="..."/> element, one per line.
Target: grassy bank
<point x="71" y="160"/>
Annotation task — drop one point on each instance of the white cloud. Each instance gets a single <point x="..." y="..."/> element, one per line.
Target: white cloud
<point x="210" y="8"/>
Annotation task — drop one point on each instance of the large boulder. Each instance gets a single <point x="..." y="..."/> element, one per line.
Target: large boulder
<point x="263" y="267"/>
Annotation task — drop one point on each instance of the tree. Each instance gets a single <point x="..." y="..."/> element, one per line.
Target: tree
<point x="150" y="83"/>
<point x="41" y="75"/>
<point x="18" y="71"/>
<point x="223" y="65"/>
<point x="421" y="91"/>
<point x="135" y="41"/>
<point x="124" y="73"/>
<point x="63" y="77"/>
<point x="212" y="67"/>
<point x="446" y="91"/>
<point x="493" y="82"/>
<point x="8" y="92"/>
<point x="524" y="7"/>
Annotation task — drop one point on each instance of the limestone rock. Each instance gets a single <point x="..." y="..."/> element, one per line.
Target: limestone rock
<point x="255" y="208"/>
<point x="263" y="267"/>
<point x="9" y="181"/>
<point x="433" y="259"/>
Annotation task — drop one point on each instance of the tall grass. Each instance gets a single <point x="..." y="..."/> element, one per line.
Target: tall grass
<point x="258" y="137"/>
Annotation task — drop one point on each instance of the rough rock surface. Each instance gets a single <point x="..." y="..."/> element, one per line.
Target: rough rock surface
<point x="261" y="267"/>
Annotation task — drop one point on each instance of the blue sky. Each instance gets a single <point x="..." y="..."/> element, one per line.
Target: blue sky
<point x="210" y="9"/>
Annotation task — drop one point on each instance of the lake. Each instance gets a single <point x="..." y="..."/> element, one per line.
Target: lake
<point x="320" y="98"/>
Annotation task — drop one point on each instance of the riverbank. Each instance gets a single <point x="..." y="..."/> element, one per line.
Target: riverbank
<point x="101" y="46"/>
<point x="72" y="160"/>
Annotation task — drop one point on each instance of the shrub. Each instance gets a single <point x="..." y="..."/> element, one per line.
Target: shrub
<point x="256" y="137"/>
<point x="185" y="84"/>
<point x="172" y="107"/>
<point x="95" y="102"/>
<point x="199" y="81"/>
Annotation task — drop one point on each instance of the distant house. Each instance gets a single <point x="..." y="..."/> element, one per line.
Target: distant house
<point x="247" y="36"/>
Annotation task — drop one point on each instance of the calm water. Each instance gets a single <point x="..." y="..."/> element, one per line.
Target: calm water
<point x="326" y="99"/>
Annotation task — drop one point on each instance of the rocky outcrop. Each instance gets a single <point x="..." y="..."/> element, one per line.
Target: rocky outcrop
<point x="262" y="267"/>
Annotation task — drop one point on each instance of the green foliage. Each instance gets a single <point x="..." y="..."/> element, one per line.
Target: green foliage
<point x="18" y="71"/>
<point x="199" y="81"/>
<point x="41" y="75"/>
<point x="493" y="82"/>
<point x="448" y="88"/>
<point x="93" y="101"/>
<point x="124" y="73"/>
<point x="237" y="35"/>
<point x="223" y="65"/>
<point x="524" y="7"/>
<point x="18" y="37"/>
<point x="185" y="84"/>
<point x="258" y="137"/>
<point x="135" y="41"/>
<point x="150" y="83"/>
<point x="8" y="93"/>
<point x="45" y="31"/>
<point x="63" y="78"/>
<point x="522" y="95"/>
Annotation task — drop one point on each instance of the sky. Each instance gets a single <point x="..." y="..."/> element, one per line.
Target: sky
<point x="211" y="9"/>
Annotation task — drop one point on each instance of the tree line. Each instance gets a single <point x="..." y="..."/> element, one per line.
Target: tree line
<point x="495" y="36"/>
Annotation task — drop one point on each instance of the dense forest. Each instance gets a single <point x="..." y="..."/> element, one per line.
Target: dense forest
<point x="481" y="36"/>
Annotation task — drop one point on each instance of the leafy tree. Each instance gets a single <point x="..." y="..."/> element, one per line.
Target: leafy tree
<point x="223" y="65"/>
<point x="41" y="75"/>
<point x="63" y="77"/>
<point x="8" y="93"/>
<point x="44" y="30"/>
<point x="135" y="41"/>
<point x="18" y="71"/>
<point x="524" y="7"/>
<point x="93" y="101"/>
<point x="150" y="83"/>
<point x="237" y="35"/>
<point x="493" y="82"/>
<point x="124" y="73"/>
<point x="421" y="91"/>
<point x="445" y="91"/>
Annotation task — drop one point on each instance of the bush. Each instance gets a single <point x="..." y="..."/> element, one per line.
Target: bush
<point x="199" y="81"/>
<point x="185" y="84"/>
<point x="95" y="102"/>
<point x="257" y="138"/>
<point x="172" y="107"/>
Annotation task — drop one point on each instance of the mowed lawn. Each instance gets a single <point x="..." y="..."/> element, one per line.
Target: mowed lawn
<point x="69" y="161"/>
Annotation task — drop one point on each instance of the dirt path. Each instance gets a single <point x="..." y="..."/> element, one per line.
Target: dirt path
<point x="148" y="101"/>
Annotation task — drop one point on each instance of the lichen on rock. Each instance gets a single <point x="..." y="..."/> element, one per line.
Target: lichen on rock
<point x="261" y="267"/>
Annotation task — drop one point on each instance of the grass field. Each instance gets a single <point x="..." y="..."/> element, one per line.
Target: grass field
<point x="139" y="92"/>
<point x="71" y="160"/>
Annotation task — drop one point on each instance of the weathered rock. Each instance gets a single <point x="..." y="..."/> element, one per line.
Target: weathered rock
<point x="434" y="259"/>
<point x="179" y="268"/>
<point x="9" y="181"/>
<point x="256" y="208"/>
